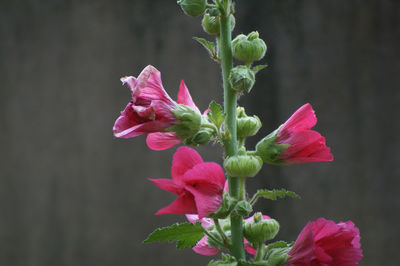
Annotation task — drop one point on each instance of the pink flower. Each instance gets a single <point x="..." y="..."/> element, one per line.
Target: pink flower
<point x="324" y="243"/>
<point x="149" y="111"/>
<point x="199" y="185"/>
<point x="305" y="145"/>
<point x="203" y="248"/>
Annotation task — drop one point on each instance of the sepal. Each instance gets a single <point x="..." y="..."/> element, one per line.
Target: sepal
<point x="189" y="121"/>
<point x="269" y="151"/>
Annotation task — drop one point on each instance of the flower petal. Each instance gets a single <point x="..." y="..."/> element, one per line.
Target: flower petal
<point x="137" y="130"/>
<point x="205" y="222"/>
<point x="303" y="118"/>
<point x="208" y="174"/>
<point x="182" y="205"/>
<point x="185" y="98"/>
<point x="168" y="185"/>
<point x="203" y="248"/>
<point x="162" y="141"/>
<point x="184" y="159"/>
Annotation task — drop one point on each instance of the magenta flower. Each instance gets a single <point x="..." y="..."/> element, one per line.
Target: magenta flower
<point x="305" y="145"/>
<point x="322" y="242"/>
<point x="150" y="110"/>
<point x="294" y="141"/>
<point x="199" y="185"/>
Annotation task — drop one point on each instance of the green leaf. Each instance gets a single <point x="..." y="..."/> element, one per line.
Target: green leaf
<point x="277" y="244"/>
<point x="273" y="194"/>
<point x="216" y="114"/>
<point x="209" y="46"/>
<point x="258" y="68"/>
<point x="186" y="234"/>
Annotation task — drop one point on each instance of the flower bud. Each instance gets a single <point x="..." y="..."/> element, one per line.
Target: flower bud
<point x="210" y="22"/>
<point x="193" y="8"/>
<point x="248" y="126"/>
<point x="248" y="48"/>
<point x="189" y="122"/>
<point x="202" y="137"/>
<point x="241" y="78"/>
<point x="243" y="208"/>
<point x="243" y="165"/>
<point x="258" y="231"/>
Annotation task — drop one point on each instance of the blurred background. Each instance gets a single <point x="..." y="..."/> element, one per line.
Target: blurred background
<point x="71" y="194"/>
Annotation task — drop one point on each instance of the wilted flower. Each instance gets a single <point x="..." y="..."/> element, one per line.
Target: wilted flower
<point x="151" y="110"/>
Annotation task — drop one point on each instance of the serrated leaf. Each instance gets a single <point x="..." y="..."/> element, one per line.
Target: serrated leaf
<point x="216" y="114"/>
<point x="258" y="68"/>
<point x="209" y="46"/>
<point x="186" y="234"/>
<point x="274" y="194"/>
<point x="277" y="244"/>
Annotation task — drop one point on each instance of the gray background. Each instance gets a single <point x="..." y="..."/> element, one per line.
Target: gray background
<point x="71" y="194"/>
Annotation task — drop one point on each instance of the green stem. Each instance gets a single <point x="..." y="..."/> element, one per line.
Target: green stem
<point x="260" y="252"/>
<point x="242" y="188"/>
<point x="221" y="232"/>
<point x="230" y="105"/>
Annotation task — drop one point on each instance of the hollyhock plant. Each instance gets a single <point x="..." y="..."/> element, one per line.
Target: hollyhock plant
<point x="199" y="185"/>
<point x="294" y="141"/>
<point x="323" y="242"/>
<point x="217" y="219"/>
<point x="150" y="110"/>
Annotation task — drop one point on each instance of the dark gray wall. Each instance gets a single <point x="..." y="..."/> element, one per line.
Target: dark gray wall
<point x="71" y="194"/>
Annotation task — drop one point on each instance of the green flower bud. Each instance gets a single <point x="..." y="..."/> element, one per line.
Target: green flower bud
<point x="243" y="165"/>
<point x="242" y="78"/>
<point x="248" y="126"/>
<point x="202" y="137"/>
<point x="189" y="122"/>
<point x="210" y="22"/>
<point x="269" y="151"/>
<point x="248" y="48"/>
<point x="258" y="231"/>
<point x="193" y="8"/>
<point x="243" y="208"/>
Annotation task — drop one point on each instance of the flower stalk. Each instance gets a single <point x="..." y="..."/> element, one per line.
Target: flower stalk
<point x="230" y="105"/>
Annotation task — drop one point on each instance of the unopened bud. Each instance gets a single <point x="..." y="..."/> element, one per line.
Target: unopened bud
<point x="243" y="165"/>
<point x="193" y="8"/>
<point x="189" y="122"/>
<point x="248" y="126"/>
<point x="210" y="22"/>
<point x="202" y="137"/>
<point x="258" y="231"/>
<point x="242" y="79"/>
<point x="248" y="48"/>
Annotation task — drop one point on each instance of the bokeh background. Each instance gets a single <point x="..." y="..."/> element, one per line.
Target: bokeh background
<point x="73" y="195"/>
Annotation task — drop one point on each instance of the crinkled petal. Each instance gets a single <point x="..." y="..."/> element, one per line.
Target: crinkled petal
<point x="163" y="111"/>
<point x="303" y="249"/>
<point x="185" y="98"/>
<point x="249" y="248"/>
<point x="203" y="248"/>
<point x="298" y="141"/>
<point x="303" y="118"/>
<point x="137" y="130"/>
<point x="149" y="86"/>
<point x="185" y="158"/>
<point x="182" y="205"/>
<point x="168" y="185"/>
<point x="162" y="141"/>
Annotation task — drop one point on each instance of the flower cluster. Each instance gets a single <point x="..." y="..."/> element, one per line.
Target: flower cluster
<point x="202" y="190"/>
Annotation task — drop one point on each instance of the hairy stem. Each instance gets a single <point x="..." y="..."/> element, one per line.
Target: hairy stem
<point x="230" y="105"/>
